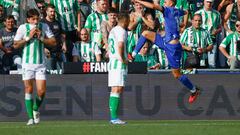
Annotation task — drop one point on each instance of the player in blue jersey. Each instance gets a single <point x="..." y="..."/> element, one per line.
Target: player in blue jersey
<point x="170" y="42"/>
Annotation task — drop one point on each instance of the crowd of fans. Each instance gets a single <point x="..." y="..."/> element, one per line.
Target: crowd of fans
<point x="210" y="32"/>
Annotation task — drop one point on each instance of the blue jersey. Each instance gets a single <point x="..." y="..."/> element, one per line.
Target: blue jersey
<point x="172" y="19"/>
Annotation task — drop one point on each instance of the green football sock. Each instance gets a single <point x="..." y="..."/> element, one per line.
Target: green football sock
<point x="38" y="102"/>
<point x="29" y="105"/>
<point x="113" y="105"/>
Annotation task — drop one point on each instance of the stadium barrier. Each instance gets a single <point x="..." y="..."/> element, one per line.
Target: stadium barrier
<point x="146" y="96"/>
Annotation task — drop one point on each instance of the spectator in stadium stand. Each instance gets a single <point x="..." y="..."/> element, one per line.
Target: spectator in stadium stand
<point x="33" y="36"/>
<point x="94" y="21"/>
<point x="106" y="27"/>
<point x="86" y="50"/>
<point x="11" y="57"/>
<point x="139" y="21"/>
<point x="145" y="56"/>
<point x="85" y="11"/>
<point x="41" y="7"/>
<point x="68" y="14"/>
<point x="211" y="21"/>
<point x="117" y="71"/>
<point x="55" y="55"/>
<point x="233" y="41"/>
<point x="197" y="41"/>
<point x="169" y="43"/>
<point x="231" y="16"/>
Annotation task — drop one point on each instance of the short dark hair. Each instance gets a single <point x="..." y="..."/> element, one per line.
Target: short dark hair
<point x="123" y="16"/>
<point x="50" y="6"/>
<point x="9" y="17"/>
<point x="197" y="15"/>
<point x="32" y="12"/>
<point x="112" y="10"/>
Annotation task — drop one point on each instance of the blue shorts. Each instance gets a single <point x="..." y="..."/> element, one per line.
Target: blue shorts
<point x="173" y="51"/>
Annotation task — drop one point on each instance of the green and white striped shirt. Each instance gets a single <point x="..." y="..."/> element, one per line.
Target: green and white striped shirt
<point x="231" y="40"/>
<point x="93" y="23"/>
<point x="33" y="51"/>
<point x="196" y="38"/>
<point x="16" y="9"/>
<point x="117" y="34"/>
<point x="66" y="13"/>
<point x="211" y="20"/>
<point x="87" y="51"/>
<point x="6" y="3"/>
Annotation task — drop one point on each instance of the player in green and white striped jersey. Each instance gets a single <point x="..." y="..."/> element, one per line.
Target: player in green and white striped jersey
<point x="211" y="21"/>
<point x="94" y="20"/>
<point x="196" y="40"/>
<point x="233" y="41"/>
<point x="32" y="36"/>
<point x="117" y="66"/>
<point x="85" y="50"/>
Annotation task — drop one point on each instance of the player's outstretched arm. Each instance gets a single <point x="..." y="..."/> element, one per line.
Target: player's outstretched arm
<point x="150" y="5"/>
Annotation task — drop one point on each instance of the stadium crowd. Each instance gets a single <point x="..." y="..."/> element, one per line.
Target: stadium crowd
<point x="210" y="31"/>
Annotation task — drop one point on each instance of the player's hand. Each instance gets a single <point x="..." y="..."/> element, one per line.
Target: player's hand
<point x="231" y="58"/>
<point x="32" y="33"/>
<point x="38" y="33"/>
<point x="130" y="58"/>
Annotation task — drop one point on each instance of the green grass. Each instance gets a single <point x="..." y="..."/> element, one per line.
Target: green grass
<point x="163" y="127"/>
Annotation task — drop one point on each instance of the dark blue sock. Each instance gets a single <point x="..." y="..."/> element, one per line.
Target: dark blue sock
<point x="186" y="82"/>
<point x="141" y="41"/>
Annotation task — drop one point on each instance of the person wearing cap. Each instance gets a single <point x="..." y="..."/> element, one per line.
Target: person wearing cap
<point x="233" y="41"/>
<point x="211" y="21"/>
<point x="231" y="16"/>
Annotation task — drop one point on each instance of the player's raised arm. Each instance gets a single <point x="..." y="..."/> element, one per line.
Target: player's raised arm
<point x="150" y="5"/>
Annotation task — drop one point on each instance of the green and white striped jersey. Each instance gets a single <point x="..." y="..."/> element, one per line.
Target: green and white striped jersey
<point x="117" y="34"/>
<point x="16" y="9"/>
<point x="231" y="40"/>
<point x="196" y="38"/>
<point x="6" y="3"/>
<point x="211" y="20"/>
<point x="66" y="13"/>
<point x="87" y="51"/>
<point x="33" y="51"/>
<point x="93" y="23"/>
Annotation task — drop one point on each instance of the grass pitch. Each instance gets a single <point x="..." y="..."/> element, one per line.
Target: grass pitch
<point x="164" y="127"/>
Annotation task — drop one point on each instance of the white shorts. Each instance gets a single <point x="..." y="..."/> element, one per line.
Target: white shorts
<point x="34" y="71"/>
<point x="117" y="77"/>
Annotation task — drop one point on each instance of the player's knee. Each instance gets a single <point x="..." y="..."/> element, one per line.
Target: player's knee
<point x="145" y="33"/>
<point x="176" y="75"/>
<point x="28" y="89"/>
<point x="41" y="92"/>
